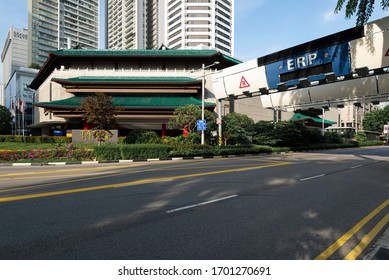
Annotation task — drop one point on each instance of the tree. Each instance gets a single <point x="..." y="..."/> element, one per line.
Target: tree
<point x="5" y="120"/>
<point x="99" y="111"/>
<point x="236" y="128"/>
<point x="186" y="118"/>
<point x="35" y="66"/>
<point x="375" y="120"/>
<point x="362" y="8"/>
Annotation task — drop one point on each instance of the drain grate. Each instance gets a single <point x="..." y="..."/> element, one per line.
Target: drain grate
<point x="382" y="254"/>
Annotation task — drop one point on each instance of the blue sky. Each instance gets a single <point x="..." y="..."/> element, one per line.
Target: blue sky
<point x="261" y="26"/>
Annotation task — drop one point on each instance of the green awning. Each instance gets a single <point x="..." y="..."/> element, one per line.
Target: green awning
<point x="131" y="102"/>
<point x="127" y="80"/>
<point x="302" y="117"/>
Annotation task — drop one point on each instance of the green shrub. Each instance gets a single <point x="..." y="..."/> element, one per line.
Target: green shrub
<point x="107" y="152"/>
<point x="142" y="136"/>
<point x="332" y="137"/>
<point x="360" y="136"/>
<point x="372" y="143"/>
<point x="219" y="150"/>
<point x="145" y="151"/>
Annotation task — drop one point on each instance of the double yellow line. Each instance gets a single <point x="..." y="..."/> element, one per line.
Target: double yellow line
<point x="138" y="182"/>
<point x="365" y="241"/>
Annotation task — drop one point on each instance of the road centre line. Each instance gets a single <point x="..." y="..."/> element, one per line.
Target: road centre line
<point x="138" y="182"/>
<point x="367" y="239"/>
<point x="345" y="237"/>
<point x="200" y="204"/>
<point x="356" y="166"/>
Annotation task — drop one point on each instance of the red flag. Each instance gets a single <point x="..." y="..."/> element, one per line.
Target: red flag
<point x="22" y="105"/>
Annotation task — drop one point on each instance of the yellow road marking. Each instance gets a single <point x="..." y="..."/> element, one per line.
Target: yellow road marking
<point x="138" y="182"/>
<point x="367" y="239"/>
<point x="342" y="240"/>
<point x="108" y="175"/>
<point x="62" y="171"/>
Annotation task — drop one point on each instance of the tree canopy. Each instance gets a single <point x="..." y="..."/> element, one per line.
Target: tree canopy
<point x="5" y="120"/>
<point x="99" y="111"/>
<point x="375" y="120"/>
<point x="363" y="9"/>
<point x="236" y="128"/>
<point x="186" y="118"/>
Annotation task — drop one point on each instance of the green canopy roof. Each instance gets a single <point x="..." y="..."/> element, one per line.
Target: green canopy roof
<point x="302" y="117"/>
<point x="145" y="53"/>
<point x="131" y="101"/>
<point x="127" y="79"/>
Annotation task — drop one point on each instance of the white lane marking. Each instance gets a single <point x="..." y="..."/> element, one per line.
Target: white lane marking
<point x="200" y="204"/>
<point x="302" y="162"/>
<point x="313" y="177"/>
<point x="357" y="166"/>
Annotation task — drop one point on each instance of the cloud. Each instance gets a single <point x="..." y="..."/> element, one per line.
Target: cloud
<point x="247" y="7"/>
<point x="330" y="16"/>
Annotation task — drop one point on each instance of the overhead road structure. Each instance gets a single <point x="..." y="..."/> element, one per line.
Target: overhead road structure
<point x="351" y="65"/>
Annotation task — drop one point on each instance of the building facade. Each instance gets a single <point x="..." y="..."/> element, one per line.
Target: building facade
<point x="19" y="98"/>
<point x="134" y="24"/>
<point x="14" y="53"/>
<point x="200" y="24"/>
<point x="146" y="86"/>
<point x="2" y="99"/>
<point x="57" y="24"/>
<point x="177" y="24"/>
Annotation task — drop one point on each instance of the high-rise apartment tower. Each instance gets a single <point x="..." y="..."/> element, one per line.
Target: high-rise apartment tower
<point x="200" y="23"/>
<point x="134" y="24"/>
<point x="57" y="24"/>
<point x="178" y="24"/>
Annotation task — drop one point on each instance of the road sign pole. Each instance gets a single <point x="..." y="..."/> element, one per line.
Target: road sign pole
<point x="202" y="103"/>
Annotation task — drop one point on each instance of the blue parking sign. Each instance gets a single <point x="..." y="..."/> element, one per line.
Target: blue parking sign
<point x="201" y="125"/>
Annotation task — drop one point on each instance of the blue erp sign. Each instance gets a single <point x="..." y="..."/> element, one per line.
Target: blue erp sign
<point x="201" y="125"/>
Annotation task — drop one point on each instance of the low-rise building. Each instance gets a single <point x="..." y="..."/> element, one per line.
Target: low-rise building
<point x="146" y="86"/>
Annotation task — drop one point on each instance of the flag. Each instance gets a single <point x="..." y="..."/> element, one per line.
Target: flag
<point x="22" y="105"/>
<point x="12" y="107"/>
<point x="17" y="103"/>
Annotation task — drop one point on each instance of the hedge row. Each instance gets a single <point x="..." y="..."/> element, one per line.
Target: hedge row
<point x="35" y="139"/>
<point x="135" y="151"/>
<point x="149" y="151"/>
<point x="46" y="154"/>
<point x="325" y="146"/>
<point x="220" y="151"/>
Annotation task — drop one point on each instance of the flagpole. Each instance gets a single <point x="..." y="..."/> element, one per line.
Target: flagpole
<point x="23" y="108"/>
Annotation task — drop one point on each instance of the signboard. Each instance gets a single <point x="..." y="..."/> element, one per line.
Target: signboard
<point x="87" y="136"/>
<point x="201" y="125"/>
<point x="312" y="65"/>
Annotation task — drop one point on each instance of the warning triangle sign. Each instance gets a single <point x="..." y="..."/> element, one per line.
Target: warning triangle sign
<point x="244" y="83"/>
<point x="387" y="53"/>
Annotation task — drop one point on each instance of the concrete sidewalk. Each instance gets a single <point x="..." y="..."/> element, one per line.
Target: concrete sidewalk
<point x="380" y="249"/>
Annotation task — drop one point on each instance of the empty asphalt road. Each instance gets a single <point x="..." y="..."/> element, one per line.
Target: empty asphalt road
<point x="317" y="205"/>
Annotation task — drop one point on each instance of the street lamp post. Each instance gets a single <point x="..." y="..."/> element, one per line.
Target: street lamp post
<point x="203" y="97"/>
